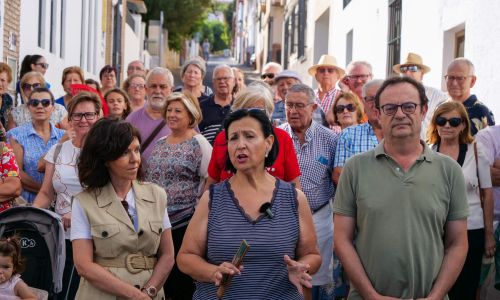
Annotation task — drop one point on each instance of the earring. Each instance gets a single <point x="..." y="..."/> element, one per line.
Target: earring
<point x="267" y="153"/>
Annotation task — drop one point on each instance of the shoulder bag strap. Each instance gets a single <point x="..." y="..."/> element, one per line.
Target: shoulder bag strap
<point x="481" y="195"/>
<point x="152" y="135"/>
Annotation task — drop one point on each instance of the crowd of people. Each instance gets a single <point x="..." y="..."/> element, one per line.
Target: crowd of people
<point x="363" y="188"/>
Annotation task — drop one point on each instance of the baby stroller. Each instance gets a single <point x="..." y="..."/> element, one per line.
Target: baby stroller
<point x="42" y="241"/>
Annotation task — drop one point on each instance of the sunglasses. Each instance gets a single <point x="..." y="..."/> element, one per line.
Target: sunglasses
<point x="267" y="75"/>
<point x="326" y="70"/>
<point x="27" y="86"/>
<point x="36" y="102"/>
<point x="454" y="122"/>
<point x="43" y="65"/>
<point x="411" y="68"/>
<point x="340" y="108"/>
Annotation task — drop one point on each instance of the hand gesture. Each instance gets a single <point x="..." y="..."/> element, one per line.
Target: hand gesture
<point x="225" y="268"/>
<point x="297" y="274"/>
<point x="489" y="245"/>
<point x="66" y="220"/>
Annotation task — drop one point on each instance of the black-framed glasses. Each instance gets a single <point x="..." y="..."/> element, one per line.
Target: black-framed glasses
<point x="43" y="65"/>
<point x="88" y="116"/>
<point x="36" y="102"/>
<point x="297" y="106"/>
<point x="391" y="109"/>
<point x="267" y="75"/>
<point x="340" y="108"/>
<point x="454" y="122"/>
<point x="30" y="87"/>
<point x="411" y="68"/>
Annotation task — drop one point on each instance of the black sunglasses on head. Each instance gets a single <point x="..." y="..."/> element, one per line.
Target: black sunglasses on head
<point x="454" y="122"/>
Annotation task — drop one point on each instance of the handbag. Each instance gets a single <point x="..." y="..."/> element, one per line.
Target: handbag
<point x="152" y="135"/>
<point x="481" y="193"/>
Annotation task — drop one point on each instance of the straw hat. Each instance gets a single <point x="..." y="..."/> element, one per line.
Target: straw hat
<point x="412" y="59"/>
<point x="326" y="61"/>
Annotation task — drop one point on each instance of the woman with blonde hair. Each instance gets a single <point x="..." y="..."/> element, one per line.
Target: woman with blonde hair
<point x="450" y="134"/>
<point x="346" y="110"/>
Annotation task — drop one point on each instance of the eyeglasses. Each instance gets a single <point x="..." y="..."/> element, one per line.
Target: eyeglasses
<point x="340" y="108"/>
<point x="454" y="122"/>
<point x="139" y="86"/>
<point x="36" y="102"/>
<point x="459" y="79"/>
<point x="267" y="75"/>
<point x="326" y="70"/>
<point x="43" y="65"/>
<point x="161" y="86"/>
<point x="27" y="86"/>
<point x="359" y="77"/>
<point x="411" y="68"/>
<point x="297" y="106"/>
<point x="223" y="78"/>
<point x="369" y="99"/>
<point x="88" y="116"/>
<point x="407" y="108"/>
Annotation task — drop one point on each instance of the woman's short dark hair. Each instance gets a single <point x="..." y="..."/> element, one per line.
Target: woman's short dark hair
<point x="267" y="129"/>
<point x="107" y="69"/>
<point x="94" y="82"/>
<point x="106" y="141"/>
<point x="126" y="99"/>
<point x="28" y="60"/>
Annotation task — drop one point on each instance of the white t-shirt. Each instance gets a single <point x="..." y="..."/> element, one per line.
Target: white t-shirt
<point x="80" y="226"/>
<point x="65" y="179"/>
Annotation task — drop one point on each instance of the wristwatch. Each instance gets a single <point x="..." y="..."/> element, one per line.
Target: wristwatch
<point x="151" y="291"/>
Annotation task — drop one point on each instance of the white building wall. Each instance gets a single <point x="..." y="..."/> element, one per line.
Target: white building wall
<point x="2" y="21"/>
<point x="80" y="31"/>
<point x="132" y="49"/>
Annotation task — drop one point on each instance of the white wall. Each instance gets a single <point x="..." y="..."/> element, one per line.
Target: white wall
<point x="2" y="21"/>
<point x="132" y="49"/>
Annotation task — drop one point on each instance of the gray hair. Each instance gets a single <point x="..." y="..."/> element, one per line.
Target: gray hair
<point x="371" y="83"/>
<point x="223" y="66"/>
<point x="161" y="71"/>
<point x="197" y="63"/>
<point x="253" y="93"/>
<point x="354" y="64"/>
<point x="463" y="60"/>
<point x="273" y="64"/>
<point x="302" y="88"/>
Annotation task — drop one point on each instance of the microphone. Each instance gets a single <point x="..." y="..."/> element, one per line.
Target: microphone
<point x="266" y="209"/>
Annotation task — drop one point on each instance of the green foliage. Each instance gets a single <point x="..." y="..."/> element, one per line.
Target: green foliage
<point x="217" y="33"/>
<point x="182" y="18"/>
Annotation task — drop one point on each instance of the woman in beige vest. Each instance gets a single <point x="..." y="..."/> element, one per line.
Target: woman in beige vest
<point x="122" y="242"/>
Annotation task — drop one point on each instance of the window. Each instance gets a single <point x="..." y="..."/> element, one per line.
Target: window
<point x="394" y="38"/>
<point x="346" y="2"/>
<point x="41" y="16"/>
<point x="459" y="43"/>
<point x="348" y="47"/>
<point x="295" y="31"/>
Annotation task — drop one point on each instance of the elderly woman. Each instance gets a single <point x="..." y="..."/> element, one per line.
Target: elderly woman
<point x="10" y="185"/>
<point x="5" y="99"/>
<point x="31" y="141"/>
<point x="178" y="163"/>
<point x="270" y="214"/>
<point x="120" y="228"/>
<point x="71" y="75"/>
<point x="450" y="134"/>
<point x="107" y="75"/>
<point x="118" y="103"/>
<point x="346" y="111"/>
<point x="61" y="175"/>
<point x="21" y="115"/>
<point x="192" y="74"/>
<point x="135" y="85"/>
<point x="285" y="166"/>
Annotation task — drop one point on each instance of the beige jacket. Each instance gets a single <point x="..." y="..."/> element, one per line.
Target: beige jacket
<point x="114" y="236"/>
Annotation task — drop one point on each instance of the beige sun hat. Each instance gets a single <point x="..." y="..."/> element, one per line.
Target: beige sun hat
<point x="326" y="61"/>
<point x="412" y="59"/>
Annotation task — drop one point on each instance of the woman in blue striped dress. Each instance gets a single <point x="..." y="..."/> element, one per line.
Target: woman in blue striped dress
<point x="282" y="252"/>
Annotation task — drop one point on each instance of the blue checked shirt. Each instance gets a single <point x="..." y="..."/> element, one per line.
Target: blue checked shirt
<point x="315" y="159"/>
<point x="354" y="140"/>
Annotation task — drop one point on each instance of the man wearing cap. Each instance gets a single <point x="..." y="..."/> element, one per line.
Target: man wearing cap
<point x="327" y="73"/>
<point x="460" y="79"/>
<point x="414" y="67"/>
<point x="282" y="81"/>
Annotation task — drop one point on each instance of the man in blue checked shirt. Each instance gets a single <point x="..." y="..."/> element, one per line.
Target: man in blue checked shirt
<point x="360" y="138"/>
<point x="315" y="149"/>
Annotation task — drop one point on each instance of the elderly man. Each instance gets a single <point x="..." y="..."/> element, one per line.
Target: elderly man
<point x="407" y="205"/>
<point x="269" y="71"/>
<point x="327" y="73"/>
<point x="357" y="74"/>
<point x="136" y="67"/>
<point x="414" y="67"/>
<point x="216" y="107"/>
<point x="363" y="137"/>
<point x="282" y="82"/>
<point x="460" y="78"/>
<point x="315" y="148"/>
<point x="149" y="119"/>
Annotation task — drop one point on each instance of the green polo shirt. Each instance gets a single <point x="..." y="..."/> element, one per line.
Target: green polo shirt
<point x="400" y="217"/>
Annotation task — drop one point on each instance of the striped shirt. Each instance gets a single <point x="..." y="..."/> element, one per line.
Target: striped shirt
<point x="213" y="118"/>
<point x="265" y="275"/>
<point x="315" y="157"/>
<point x="328" y="99"/>
<point x="354" y="140"/>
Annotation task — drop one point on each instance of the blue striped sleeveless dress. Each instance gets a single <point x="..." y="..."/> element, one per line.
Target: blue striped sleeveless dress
<point x="265" y="275"/>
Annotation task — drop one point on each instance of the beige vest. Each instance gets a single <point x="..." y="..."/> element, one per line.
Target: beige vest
<point x="113" y="232"/>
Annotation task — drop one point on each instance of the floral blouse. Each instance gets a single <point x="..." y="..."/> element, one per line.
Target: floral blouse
<point x="22" y="115"/>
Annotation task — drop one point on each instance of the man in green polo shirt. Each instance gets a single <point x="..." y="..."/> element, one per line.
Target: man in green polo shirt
<point x="407" y="203"/>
